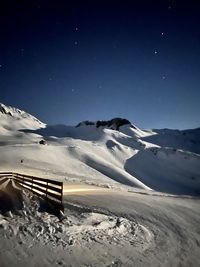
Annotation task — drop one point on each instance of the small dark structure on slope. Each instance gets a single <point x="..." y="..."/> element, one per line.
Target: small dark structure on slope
<point x="42" y="142"/>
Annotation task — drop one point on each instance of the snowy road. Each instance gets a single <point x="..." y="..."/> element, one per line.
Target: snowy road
<point x="173" y="224"/>
<point x="104" y="228"/>
<point x="81" y="189"/>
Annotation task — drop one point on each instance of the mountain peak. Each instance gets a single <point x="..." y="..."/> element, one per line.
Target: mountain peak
<point x="113" y="124"/>
<point x="19" y="117"/>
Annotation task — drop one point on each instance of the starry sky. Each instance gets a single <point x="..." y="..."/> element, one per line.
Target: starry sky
<point x="68" y="61"/>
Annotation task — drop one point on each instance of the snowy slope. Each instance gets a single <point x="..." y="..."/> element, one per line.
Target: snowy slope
<point x="12" y="120"/>
<point x="111" y="152"/>
<point x="186" y="139"/>
<point x="15" y="119"/>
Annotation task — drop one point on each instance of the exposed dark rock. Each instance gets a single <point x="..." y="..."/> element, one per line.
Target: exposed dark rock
<point x="85" y="123"/>
<point x="4" y="111"/>
<point x="132" y="126"/>
<point x="113" y="124"/>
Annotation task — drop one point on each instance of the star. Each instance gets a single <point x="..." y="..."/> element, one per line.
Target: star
<point x="75" y="42"/>
<point x="162" y="33"/>
<point x="76" y="29"/>
<point x="73" y="90"/>
<point x="155" y="52"/>
<point x="22" y="51"/>
<point x="163" y="77"/>
<point x="0" y="66"/>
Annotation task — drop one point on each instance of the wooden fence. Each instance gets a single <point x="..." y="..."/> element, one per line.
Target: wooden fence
<point x="51" y="190"/>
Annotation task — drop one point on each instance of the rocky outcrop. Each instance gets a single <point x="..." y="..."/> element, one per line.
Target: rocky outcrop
<point x="114" y="123"/>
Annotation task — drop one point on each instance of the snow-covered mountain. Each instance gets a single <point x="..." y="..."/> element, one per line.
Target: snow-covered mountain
<point x="15" y="119"/>
<point x="112" y="153"/>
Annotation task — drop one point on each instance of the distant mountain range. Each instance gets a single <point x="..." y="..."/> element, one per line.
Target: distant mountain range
<point x="114" y="152"/>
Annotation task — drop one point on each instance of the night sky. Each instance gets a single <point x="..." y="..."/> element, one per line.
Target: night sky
<point x="68" y="61"/>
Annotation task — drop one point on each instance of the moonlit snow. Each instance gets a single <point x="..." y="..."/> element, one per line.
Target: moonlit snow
<point x="131" y="195"/>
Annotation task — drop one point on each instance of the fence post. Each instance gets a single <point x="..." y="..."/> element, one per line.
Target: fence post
<point x="62" y="194"/>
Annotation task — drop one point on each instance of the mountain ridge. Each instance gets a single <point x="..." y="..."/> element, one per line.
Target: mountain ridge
<point x="113" y="153"/>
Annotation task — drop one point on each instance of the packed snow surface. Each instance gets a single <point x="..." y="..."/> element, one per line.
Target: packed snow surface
<point x="109" y="229"/>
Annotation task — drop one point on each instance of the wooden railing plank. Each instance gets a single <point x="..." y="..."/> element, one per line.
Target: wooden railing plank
<point x="39" y="179"/>
<point x="42" y="185"/>
<point x="56" y="189"/>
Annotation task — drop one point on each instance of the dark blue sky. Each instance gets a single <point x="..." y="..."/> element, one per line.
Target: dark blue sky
<point x="67" y="61"/>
